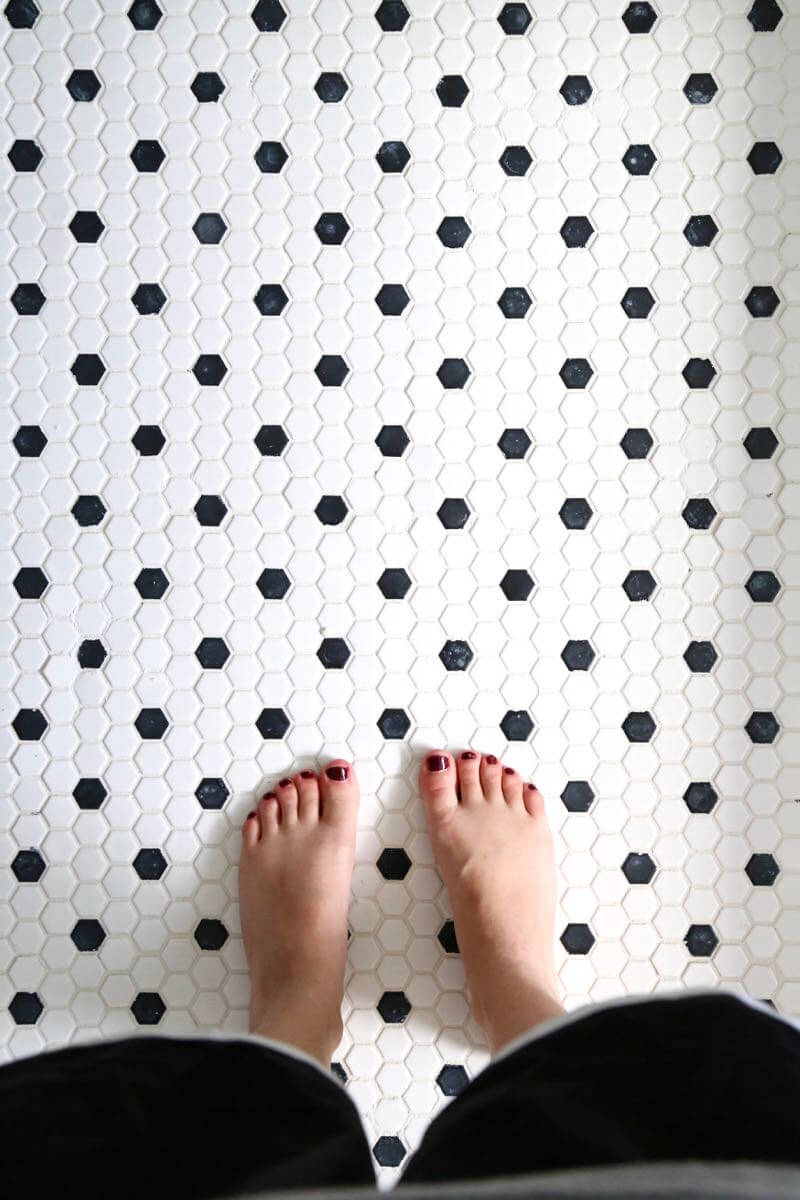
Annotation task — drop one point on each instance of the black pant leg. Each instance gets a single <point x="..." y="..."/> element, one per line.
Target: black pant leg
<point x="692" y="1077"/>
<point x="166" y="1117"/>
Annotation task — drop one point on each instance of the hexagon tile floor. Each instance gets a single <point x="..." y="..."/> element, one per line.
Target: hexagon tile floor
<point x="379" y="377"/>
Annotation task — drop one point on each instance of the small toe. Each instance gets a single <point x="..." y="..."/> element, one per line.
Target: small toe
<point x="511" y="783"/>
<point x="339" y="794"/>
<point x="251" y="830"/>
<point x="307" y="786"/>
<point x="490" y="774"/>
<point x="269" y="814"/>
<point x="287" y="799"/>
<point x="437" y="783"/>
<point x="469" y="764"/>
<point x="533" y="800"/>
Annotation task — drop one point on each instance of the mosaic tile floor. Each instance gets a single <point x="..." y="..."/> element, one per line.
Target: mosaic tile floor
<point x="378" y="378"/>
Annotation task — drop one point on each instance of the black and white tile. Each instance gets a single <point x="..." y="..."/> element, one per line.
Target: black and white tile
<point x="382" y="377"/>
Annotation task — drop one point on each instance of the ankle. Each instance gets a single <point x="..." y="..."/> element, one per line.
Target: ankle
<point x="314" y="1037"/>
<point x="512" y="1006"/>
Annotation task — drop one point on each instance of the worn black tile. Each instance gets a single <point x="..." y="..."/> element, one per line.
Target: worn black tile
<point x="392" y="157"/>
<point x="91" y="654"/>
<point x="636" y="443"/>
<point x="21" y="14"/>
<point x="88" y="369"/>
<point x="207" y="87"/>
<point x="392" y="299"/>
<point x="30" y="583"/>
<point x="765" y="158"/>
<point x="212" y="793"/>
<point x="639" y="727"/>
<point x="333" y="653"/>
<point x="88" y="511"/>
<point x="701" y="941"/>
<point x="700" y="797"/>
<point x="392" y="15"/>
<point x="452" y="91"/>
<point x="210" y="934"/>
<point x="394" y="1007"/>
<point x="25" y="1008"/>
<point x="453" y="512"/>
<point x="273" y="583"/>
<point x="151" y="723"/>
<point x="331" y="87"/>
<point x="83" y="85"/>
<point x="699" y="513"/>
<point x="514" y="302"/>
<point x="144" y="14"/>
<point x="699" y="372"/>
<point x="639" y="159"/>
<point x="271" y="299"/>
<point x="389" y="1151"/>
<point x="29" y="441"/>
<point x="272" y="723"/>
<point x="639" y="585"/>
<point x="393" y="724"/>
<point x="761" y="442"/>
<point x="331" y="370"/>
<point x="148" y="299"/>
<point x="28" y="299"/>
<point x="763" y="587"/>
<point x="392" y="441"/>
<point x="639" y="17"/>
<point x="212" y="653"/>
<point x="150" y="864"/>
<point x="577" y="939"/>
<point x="517" y="585"/>
<point x="516" y="160"/>
<point x="269" y="15"/>
<point x="700" y="230"/>
<point x="762" y="870"/>
<point x="394" y="583"/>
<point x="576" y="372"/>
<point x="700" y="656"/>
<point x="453" y="373"/>
<point x="89" y="794"/>
<point x="29" y="724"/>
<point x="576" y="231"/>
<point x="575" y="513"/>
<point x="577" y="795"/>
<point x="148" y="155"/>
<point x="148" y="1008"/>
<point x="456" y="655"/>
<point x="209" y="370"/>
<point x="576" y="89"/>
<point x="271" y="440"/>
<point x="331" y="510"/>
<point x="765" y="16"/>
<point x="151" y="583"/>
<point x="25" y="155"/>
<point x="578" y="655"/>
<point x="514" y="18"/>
<point x="638" y="868"/>
<point x="452" y="1079"/>
<point x="516" y="725"/>
<point x="453" y="232"/>
<point x="700" y="88"/>
<point x="210" y="228"/>
<point x="88" y="934"/>
<point x="762" y="728"/>
<point x="210" y="510"/>
<point x="394" y="863"/>
<point x="637" y="303"/>
<point x="271" y="158"/>
<point x="28" y="866"/>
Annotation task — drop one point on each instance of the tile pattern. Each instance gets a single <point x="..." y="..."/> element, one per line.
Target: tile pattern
<point x="379" y="378"/>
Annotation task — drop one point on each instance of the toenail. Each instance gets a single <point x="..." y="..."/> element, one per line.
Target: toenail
<point x="284" y="782"/>
<point x="437" y="762"/>
<point x="307" y="774"/>
<point x="249" y="815"/>
<point x="468" y="754"/>
<point x="269" y="796"/>
<point x="490" y="758"/>
<point x="508" y="770"/>
<point x="531" y="788"/>
<point x="337" y="773"/>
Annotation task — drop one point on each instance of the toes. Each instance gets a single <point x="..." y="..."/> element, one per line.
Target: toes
<point x="307" y="796"/>
<point x="251" y="830"/>
<point x="268" y="814"/>
<point x="437" y="783"/>
<point x="533" y="800"/>
<point x="339" y="794"/>
<point x="511" y="784"/>
<point x="491" y="771"/>
<point x="469" y="780"/>
<point x="287" y="798"/>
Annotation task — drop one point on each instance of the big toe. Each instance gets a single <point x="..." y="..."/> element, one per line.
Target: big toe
<point x="339" y="795"/>
<point x="437" y="783"/>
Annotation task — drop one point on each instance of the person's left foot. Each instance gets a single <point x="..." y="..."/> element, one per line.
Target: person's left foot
<point x="295" y="873"/>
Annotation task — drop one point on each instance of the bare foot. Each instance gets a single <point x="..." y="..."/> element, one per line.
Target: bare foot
<point x="295" y="873"/>
<point x="495" y="853"/>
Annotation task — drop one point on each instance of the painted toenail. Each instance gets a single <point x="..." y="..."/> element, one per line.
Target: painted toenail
<point x="531" y="788"/>
<point x="468" y="754"/>
<point x="337" y="773"/>
<point x="437" y="762"/>
<point x="490" y="758"/>
<point x="249" y="815"/>
<point x="307" y="774"/>
<point x="284" y="782"/>
<point x="508" y="770"/>
<point x="269" y="796"/>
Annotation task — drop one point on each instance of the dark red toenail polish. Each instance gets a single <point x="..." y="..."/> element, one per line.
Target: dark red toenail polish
<point x="508" y="770"/>
<point x="307" y="774"/>
<point x="531" y="788"/>
<point x="337" y="773"/>
<point x="249" y="815"/>
<point x="437" y="762"/>
<point x="468" y="754"/>
<point x="269" y="796"/>
<point x="284" y="782"/>
<point x="490" y="758"/>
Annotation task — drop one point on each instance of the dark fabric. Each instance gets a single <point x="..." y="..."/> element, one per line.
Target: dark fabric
<point x="168" y="1118"/>
<point x="698" y="1077"/>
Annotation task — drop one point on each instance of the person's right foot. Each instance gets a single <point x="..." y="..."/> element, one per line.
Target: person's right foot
<point x="495" y="853"/>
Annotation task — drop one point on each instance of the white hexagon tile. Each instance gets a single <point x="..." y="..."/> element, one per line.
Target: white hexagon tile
<point x="379" y="377"/>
